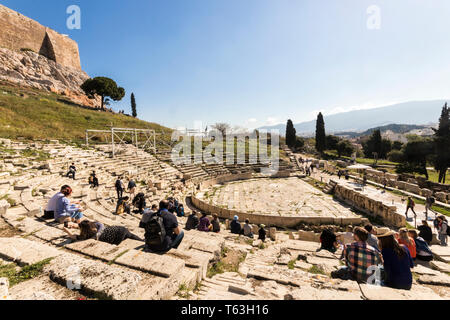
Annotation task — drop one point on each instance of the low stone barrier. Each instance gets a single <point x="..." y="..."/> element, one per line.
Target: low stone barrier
<point x="370" y="206"/>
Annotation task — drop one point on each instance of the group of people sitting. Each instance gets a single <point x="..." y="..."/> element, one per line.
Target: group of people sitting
<point x="392" y="254"/>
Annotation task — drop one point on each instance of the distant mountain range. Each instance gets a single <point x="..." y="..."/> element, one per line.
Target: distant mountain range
<point x="395" y="128"/>
<point x="408" y="113"/>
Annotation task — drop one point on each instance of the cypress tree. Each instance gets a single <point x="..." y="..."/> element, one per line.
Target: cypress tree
<point x="133" y="106"/>
<point x="442" y="143"/>
<point x="320" y="134"/>
<point x="291" y="134"/>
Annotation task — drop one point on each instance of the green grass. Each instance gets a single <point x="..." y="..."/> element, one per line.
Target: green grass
<point x="291" y="264"/>
<point x="42" y="115"/>
<point x="28" y="272"/>
<point x="316" y="270"/>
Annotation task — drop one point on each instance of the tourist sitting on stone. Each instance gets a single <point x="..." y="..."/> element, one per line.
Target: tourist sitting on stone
<point x="372" y="240"/>
<point x="139" y="203"/>
<point x="162" y="231"/>
<point x="112" y="234"/>
<point x="192" y="221"/>
<point x="49" y="212"/>
<point x="328" y="240"/>
<point x="442" y="230"/>
<point x="359" y="256"/>
<point x="347" y="237"/>
<point x="262" y="233"/>
<point x="423" y="251"/>
<point x="425" y="232"/>
<point x="72" y="171"/>
<point x="123" y="206"/>
<point x="132" y="188"/>
<point x="404" y="239"/>
<point x="93" y="180"/>
<point x="204" y="225"/>
<point x="397" y="262"/>
<point x="180" y="210"/>
<point x="248" y="230"/>
<point x="215" y="224"/>
<point x="65" y="211"/>
<point x="119" y="187"/>
<point x="235" y="226"/>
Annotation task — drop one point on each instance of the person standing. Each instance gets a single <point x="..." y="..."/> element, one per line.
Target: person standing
<point x="132" y="188"/>
<point x="442" y="230"/>
<point x="410" y="205"/>
<point x="119" y="188"/>
<point x="428" y="205"/>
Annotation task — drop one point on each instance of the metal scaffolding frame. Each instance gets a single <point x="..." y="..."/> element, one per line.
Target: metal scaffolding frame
<point x="118" y="136"/>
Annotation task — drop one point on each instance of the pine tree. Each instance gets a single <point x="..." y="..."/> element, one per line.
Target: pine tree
<point x="320" y="134"/>
<point x="291" y="134"/>
<point x="133" y="106"/>
<point x="442" y="143"/>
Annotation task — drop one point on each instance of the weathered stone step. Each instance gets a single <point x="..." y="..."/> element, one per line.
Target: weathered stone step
<point x="158" y="265"/>
<point x="26" y="252"/>
<point x="103" y="281"/>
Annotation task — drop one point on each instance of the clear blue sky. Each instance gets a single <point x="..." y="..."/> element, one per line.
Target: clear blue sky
<point x="254" y="62"/>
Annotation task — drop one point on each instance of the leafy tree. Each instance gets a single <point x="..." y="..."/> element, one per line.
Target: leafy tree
<point x="133" y="106"/>
<point x="442" y="144"/>
<point x="376" y="144"/>
<point x="332" y="142"/>
<point x="395" y="156"/>
<point x="416" y="153"/>
<point x="104" y="87"/>
<point x="397" y="145"/>
<point x="291" y="134"/>
<point x="344" y="148"/>
<point x="320" y="134"/>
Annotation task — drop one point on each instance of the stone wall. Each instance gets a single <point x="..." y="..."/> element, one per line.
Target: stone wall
<point x="19" y="32"/>
<point x="370" y="206"/>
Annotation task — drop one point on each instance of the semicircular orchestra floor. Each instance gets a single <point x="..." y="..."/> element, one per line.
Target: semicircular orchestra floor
<point x="286" y="197"/>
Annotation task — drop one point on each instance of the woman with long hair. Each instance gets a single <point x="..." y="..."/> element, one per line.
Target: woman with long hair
<point x="405" y="239"/>
<point x="110" y="234"/>
<point x="397" y="262"/>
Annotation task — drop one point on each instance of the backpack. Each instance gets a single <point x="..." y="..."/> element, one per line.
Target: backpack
<point x="118" y="184"/>
<point x="91" y="179"/>
<point x="432" y="200"/>
<point x="448" y="229"/>
<point x="155" y="232"/>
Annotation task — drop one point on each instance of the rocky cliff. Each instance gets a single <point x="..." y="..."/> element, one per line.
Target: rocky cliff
<point x="30" y="69"/>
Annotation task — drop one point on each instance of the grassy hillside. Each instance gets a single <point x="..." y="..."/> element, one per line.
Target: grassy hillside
<point x="34" y="114"/>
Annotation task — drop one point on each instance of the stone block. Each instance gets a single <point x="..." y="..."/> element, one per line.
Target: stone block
<point x="26" y="252"/>
<point x="158" y="265"/>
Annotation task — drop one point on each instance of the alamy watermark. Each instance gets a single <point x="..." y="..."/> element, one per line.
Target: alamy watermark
<point x="374" y="17"/>
<point x="257" y="147"/>
<point x="73" y="22"/>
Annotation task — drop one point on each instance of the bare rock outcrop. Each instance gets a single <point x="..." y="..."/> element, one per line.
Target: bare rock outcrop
<point x="29" y="69"/>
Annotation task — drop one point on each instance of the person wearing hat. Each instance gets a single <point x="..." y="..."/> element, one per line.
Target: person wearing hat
<point x="262" y="233"/>
<point x="235" y="226"/>
<point x="397" y="262"/>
